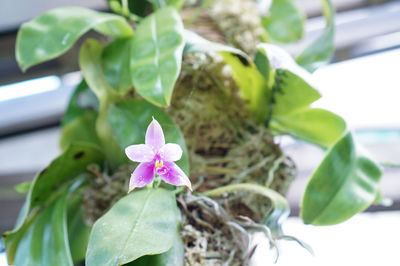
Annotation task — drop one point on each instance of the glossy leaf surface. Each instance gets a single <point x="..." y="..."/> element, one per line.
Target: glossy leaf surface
<point x="320" y="52"/>
<point x="291" y="93"/>
<point x="129" y="120"/>
<point x="78" y="231"/>
<point x="292" y="96"/>
<point x="55" y="31"/>
<point x="314" y="125"/>
<point x="284" y="21"/>
<point x="90" y="61"/>
<point x="61" y="171"/>
<point x="345" y="183"/>
<point x="45" y="242"/>
<point x="82" y="100"/>
<point x="251" y="83"/>
<point x="81" y="129"/>
<point x="115" y="62"/>
<point x="156" y="55"/>
<point x="173" y="257"/>
<point x="142" y="223"/>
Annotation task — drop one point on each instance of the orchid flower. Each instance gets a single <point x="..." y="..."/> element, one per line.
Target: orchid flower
<point x="156" y="157"/>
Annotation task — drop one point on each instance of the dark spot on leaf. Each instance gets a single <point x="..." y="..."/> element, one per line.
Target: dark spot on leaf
<point x="79" y="155"/>
<point x="36" y="199"/>
<point x="242" y="59"/>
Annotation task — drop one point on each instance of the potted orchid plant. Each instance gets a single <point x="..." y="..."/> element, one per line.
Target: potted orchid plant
<point x="194" y="93"/>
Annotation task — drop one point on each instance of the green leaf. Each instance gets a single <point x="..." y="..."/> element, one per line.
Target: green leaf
<point x="251" y="83"/>
<point x="115" y="62"/>
<point x="60" y="172"/>
<point x="156" y="55"/>
<point x="129" y="120"/>
<point x="45" y="242"/>
<point x="291" y="93"/>
<point x="173" y="257"/>
<point x="81" y="129"/>
<point x="142" y="223"/>
<point x="345" y="183"/>
<point x="55" y="31"/>
<point x="81" y="101"/>
<point x="262" y="63"/>
<point x="90" y="61"/>
<point x="78" y="231"/>
<point x="284" y="22"/>
<point x="314" y="125"/>
<point x="320" y="52"/>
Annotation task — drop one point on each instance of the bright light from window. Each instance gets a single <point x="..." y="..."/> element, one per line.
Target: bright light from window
<point x="29" y="87"/>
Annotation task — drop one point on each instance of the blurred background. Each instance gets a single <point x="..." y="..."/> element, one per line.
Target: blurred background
<point x="362" y="84"/>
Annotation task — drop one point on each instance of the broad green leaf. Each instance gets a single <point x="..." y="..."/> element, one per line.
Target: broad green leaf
<point x="280" y="59"/>
<point x="81" y="129"/>
<point x="55" y="31"/>
<point x="251" y="83"/>
<point x="291" y="93"/>
<point x="90" y="61"/>
<point x="60" y="172"/>
<point x="78" y="231"/>
<point x="45" y="241"/>
<point x="314" y="125"/>
<point x="81" y="101"/>
<point x="142" y="223"/>
<point x="320" y="52"/>
<point x="156" y="55"/>
<point x="345" y="183"/>
<point x="173" y="257"/>
<point x="129" y="120"/>
<point x="262" y="63"/>
<point x="284" y="21"/>
<point x="279" y="206"/>
<point x="115" y="61"/>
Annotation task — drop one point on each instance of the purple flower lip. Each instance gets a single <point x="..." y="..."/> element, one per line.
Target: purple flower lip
<point x="156" y="158"/>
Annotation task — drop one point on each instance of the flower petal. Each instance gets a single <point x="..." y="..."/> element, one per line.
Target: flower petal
<point x="142" y="176"/>
<point x="175" y="176"/>
<point x="140" y="153"/>
<point x="170" y="152"/>
<point x="155" y="136"/>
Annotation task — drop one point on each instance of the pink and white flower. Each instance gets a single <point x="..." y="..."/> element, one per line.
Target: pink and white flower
<point x="156" y="158"/>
